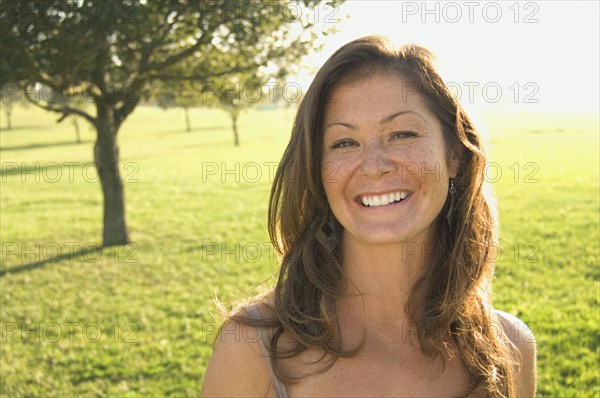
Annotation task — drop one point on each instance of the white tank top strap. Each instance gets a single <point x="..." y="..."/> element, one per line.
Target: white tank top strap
<point x="280" y="389"/>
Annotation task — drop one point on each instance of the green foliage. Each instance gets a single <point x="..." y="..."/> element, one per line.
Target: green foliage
<point x="110" y="51"/>
<point x="183" y="94"/>
<point x="153" y="301"/>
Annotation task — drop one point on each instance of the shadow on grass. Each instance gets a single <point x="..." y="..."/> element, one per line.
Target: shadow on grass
<point x="546" y="131"/>
<point x="47" y="145"/>
<point x="183" y="130"/>
<point x="70" y="256"/>
<point x="211" y="145"/>
<point x="4" y="130"/>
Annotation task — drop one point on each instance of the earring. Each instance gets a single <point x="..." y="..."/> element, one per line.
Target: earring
<point x="327" y="233"/>
<point x="451" y="207"/>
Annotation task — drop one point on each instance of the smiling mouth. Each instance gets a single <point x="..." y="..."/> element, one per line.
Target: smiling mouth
<point x="383" y="200"/>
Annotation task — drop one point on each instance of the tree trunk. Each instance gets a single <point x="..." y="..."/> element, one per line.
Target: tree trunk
<point x="8" y="107"/>
<point x="106" y="157"/>
<point x="234" y="117"/>
<point x="76" y="124"/>
<point x="187" y="119"/>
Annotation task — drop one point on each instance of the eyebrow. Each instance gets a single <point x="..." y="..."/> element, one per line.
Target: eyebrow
<point x="383" y="121"/>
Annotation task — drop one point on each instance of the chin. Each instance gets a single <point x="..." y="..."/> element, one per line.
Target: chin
<point x="385" y="238"/>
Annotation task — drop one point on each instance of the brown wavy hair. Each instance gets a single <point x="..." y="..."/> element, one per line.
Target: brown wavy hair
<point x="455" y="285"/>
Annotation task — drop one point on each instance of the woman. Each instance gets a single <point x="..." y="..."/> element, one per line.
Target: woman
<point x="387" y="246"/>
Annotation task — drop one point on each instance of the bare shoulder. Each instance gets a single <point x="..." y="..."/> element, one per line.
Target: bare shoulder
<point x="237" y="367"/>
<point x="517" y="331"/>
<point x="523" y="341"/>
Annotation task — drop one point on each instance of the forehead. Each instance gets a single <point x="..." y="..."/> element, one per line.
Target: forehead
<point x="375" y="97"/>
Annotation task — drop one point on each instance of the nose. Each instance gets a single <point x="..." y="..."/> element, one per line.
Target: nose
<point x="375" y="161"/>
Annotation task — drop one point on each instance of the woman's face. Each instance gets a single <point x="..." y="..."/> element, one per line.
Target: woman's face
<point x="385" y="166"/>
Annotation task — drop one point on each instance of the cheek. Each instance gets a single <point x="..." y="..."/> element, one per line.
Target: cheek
<point x="330" y="173"/>
<point x="432" y="165"/>
<point x="335" y="172"/>
<point x="330" y="178"/>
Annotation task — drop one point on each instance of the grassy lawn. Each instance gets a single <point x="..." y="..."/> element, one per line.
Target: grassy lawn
<point x="139" y="320"/>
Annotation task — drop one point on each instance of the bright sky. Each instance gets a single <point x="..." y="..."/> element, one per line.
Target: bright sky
<point x="521" y="52"/>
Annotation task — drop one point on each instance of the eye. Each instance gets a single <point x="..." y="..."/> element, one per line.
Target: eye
<point x="404" y="134"/>
<point x="342" y="144"/>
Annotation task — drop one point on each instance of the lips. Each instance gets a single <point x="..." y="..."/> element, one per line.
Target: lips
<point x="383" y="199"/>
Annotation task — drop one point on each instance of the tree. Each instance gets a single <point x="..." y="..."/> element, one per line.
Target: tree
<point x="230" y="93"/>
<point x="57" y="98"/>
<point x="109" y="52"/>
<point x="10" y="94"/>
<point x="233" y="94"/>
<point x="178" y="94"/>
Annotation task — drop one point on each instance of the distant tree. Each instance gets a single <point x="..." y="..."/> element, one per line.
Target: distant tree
<point x="233" y="94"/>
<point x="10" y="94"/>
<point x="75" y="120"/>
<point x="56" y="98"/>
<point x="178" y="94"/>
<point x="110" y="51"/>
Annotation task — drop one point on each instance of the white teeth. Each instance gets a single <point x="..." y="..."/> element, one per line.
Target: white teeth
<point x="382" y="200"/>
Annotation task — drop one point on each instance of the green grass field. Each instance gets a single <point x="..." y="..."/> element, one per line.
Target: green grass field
<point x="139" y="320"/>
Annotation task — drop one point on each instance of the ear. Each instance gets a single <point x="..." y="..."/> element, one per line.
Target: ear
<point x="453" y="163"/>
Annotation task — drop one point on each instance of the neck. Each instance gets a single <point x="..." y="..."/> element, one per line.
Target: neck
<point x="380" y="279"/>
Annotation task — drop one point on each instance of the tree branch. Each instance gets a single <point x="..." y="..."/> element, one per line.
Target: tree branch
<point x="181" y="55"/>
<point x="166" y="76"/>
<point x="65" y="110"/>
<point x="125" y="109"/>
<point x="36" y="70"/>
<point x="131" y="99"/>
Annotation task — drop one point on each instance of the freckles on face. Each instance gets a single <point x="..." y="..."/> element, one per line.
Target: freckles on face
<point x="384" y="160"/>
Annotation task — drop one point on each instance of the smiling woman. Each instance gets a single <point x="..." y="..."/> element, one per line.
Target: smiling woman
<point x="387" y="246"/>
<point x="373" y="144"/>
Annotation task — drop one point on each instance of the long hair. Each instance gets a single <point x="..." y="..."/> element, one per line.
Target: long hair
<point x="455" y="286"/>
